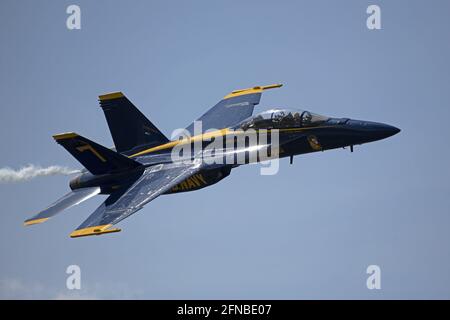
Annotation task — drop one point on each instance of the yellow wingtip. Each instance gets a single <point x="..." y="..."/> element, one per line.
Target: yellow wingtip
<point x="35" y="221"/>
<point x="91" y="231"/>
<point x="272" y="86"/>
<point x="256" y="89"/>
<point x="110" y="96"/>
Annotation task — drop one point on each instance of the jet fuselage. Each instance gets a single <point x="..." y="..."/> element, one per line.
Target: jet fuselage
<point x="293" y="140"/>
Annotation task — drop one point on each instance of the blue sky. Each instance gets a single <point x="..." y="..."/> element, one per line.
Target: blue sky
<point x="308" y="232"/>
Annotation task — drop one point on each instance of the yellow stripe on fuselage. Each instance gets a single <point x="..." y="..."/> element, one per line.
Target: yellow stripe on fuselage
<point x="200" y="137"/>
<point x="209" y="135"/>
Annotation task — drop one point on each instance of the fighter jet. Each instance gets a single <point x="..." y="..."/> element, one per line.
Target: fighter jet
<point x="142" y="165"/>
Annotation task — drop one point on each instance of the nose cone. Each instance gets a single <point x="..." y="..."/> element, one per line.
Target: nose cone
<point x="367" y="131"/>
<point x="382" y="131"/>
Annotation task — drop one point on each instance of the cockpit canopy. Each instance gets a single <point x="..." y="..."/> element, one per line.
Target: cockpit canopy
<point x="282" y="118"/>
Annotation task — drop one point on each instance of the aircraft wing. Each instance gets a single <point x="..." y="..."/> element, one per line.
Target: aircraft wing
<point x="232" y="109"/>
<point x="155" y="181"/>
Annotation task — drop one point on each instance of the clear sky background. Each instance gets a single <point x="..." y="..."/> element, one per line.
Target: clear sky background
<point x="308" y="232"/>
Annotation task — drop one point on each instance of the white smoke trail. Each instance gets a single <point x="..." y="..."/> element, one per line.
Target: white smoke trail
<point x="8" y="175"/>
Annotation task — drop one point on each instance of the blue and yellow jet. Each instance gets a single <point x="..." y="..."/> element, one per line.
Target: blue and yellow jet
<point x="141" y="166"/>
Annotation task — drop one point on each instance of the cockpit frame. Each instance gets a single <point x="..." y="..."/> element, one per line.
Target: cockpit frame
<point x="282" y="118"/>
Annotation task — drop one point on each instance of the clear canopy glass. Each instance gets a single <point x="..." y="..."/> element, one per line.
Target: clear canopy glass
<point x="283" y="118"/>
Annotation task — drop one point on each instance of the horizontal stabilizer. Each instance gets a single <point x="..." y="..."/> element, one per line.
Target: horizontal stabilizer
<point x="156" y="180"/>
<point x="94" y="157"/>
<point x="69" y="200"/>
